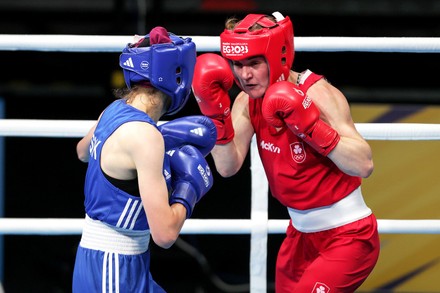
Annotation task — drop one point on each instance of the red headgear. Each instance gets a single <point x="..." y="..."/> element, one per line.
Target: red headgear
<point x="274" y="41"/>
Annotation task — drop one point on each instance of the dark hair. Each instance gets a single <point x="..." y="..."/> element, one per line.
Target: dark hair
<point x="126" y="93"/>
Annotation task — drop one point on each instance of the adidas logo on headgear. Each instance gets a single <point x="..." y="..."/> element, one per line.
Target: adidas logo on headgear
<point x="129" y="63"/>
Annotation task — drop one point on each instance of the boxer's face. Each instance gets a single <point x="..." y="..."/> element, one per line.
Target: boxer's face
<point x="253" y="75"/>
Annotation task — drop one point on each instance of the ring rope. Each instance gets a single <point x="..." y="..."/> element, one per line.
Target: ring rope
<point x="78" y="128"/>
<point x="96" y="43"/>
<point x="67" y="226"/>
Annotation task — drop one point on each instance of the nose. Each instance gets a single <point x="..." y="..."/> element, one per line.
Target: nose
<point x="245" y="72"/>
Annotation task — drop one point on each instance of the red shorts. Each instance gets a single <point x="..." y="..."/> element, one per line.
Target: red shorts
<point x="331" y="261"/>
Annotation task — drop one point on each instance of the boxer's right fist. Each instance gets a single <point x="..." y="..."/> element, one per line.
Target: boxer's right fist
<point x="191" y="177"/>
<point x="284" y="103"/>
<point x="212" y="80"/>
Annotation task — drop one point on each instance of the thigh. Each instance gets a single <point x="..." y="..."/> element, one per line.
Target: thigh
<point x="294" y="256"/>
<point x="350" y="254"/>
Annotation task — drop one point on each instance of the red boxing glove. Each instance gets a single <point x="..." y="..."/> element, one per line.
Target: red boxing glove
<point x="284" y="103"/>
<point x="211" y="82"/>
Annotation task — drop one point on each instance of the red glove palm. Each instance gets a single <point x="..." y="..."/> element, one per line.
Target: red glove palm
<point x="211" y="82"/>
<point x="284" y="103"/>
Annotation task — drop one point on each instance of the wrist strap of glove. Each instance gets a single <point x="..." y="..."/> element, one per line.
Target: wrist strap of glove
<point x="184" y="194"/>
<point x="225" y="130"/>
<point x="323" y="138"/>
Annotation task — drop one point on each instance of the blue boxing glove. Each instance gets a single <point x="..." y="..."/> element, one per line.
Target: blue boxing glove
<point x="197" y="130"/>
<point x="191" y="177"/>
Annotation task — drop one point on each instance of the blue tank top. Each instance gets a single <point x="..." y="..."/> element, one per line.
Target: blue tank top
<point x="103" y="200"/>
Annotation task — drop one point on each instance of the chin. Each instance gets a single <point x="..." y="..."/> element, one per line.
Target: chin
<point x="255" y="94"/>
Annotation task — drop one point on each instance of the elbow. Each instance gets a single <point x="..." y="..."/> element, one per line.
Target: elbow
<point x="367" y="170"/>
<point x="165" y="240"/>
<point x="83" y="157"/>
<point x="227" y="171"/>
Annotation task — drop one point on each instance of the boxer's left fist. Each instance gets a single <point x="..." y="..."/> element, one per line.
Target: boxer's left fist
<point x="286" y="104"/>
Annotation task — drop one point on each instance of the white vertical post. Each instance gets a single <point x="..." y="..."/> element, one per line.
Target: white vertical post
<point x="259" y="218"/>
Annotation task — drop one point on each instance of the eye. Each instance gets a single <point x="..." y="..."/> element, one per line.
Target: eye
<point x="237" y="64"/>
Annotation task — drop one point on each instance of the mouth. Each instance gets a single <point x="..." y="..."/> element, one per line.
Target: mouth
<point x="250" y="86"/>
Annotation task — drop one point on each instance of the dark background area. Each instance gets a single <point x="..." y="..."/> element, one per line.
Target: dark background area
<point x="44" y="179"/>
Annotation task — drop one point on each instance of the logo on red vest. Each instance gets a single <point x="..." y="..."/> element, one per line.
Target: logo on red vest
<point x="298" y="152"/>
<point x="321" y="288"/>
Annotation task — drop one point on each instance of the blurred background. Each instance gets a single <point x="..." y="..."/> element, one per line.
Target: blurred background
<point x="44" y="179"/>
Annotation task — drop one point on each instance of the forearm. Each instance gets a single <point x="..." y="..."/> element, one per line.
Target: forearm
<point x="227" y="159"/>
<point x="166" y="223"/>
<point x="353" y="156"/>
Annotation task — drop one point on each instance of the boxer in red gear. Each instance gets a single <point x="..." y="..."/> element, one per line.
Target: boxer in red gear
<point x="313" y="156"/>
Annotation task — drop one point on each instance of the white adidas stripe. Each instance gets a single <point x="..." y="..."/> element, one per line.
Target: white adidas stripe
<point x="132" y="215"/>
<point x="136" y="215"/>
<point x="198" y="131"/>
<point x="108" y="265"/>
<point x="121" y="218"/>
<point x="104" y="272"/>
<point x="129" y="63"/>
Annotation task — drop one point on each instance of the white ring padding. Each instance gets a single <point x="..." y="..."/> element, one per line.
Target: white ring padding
<point x="399" y="131"/>
<point x="79" y="128"/>
<point x="65" y="226"/>
<point x="259" y="218"/>
<point x="45" y="128"/>
<point x="95" y="43"/>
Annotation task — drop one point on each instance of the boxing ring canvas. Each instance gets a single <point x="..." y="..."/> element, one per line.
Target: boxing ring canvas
<point x="402" y="191"/>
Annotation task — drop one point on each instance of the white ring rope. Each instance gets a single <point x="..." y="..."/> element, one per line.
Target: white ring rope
<point x="53" y="226"/>
<point x="78" y="128"/>
<point x="95" y="43"/>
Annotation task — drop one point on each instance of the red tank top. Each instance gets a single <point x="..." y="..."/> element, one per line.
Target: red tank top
<point x="298" y="176"/>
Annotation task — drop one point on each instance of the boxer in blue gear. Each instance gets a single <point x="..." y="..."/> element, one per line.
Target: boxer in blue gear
<point x="134" y="191"/>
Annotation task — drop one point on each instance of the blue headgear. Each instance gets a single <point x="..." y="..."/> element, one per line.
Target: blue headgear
<point x="169" y="67"/>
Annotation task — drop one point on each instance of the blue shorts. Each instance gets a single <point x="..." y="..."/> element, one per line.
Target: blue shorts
<point x="99" y="271"/>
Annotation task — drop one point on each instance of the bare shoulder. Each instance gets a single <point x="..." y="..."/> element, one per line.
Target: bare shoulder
<point x="332" y="103"/>
<point x="241" y="105"/>
<point x="137" y="133"/>
<point x="242" y="97"/>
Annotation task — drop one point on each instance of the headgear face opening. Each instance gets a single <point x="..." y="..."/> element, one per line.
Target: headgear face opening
<point x="274" y="42"/>
<point x="169" y="67"/>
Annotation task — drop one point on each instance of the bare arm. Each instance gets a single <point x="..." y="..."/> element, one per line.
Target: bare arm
<point x="352" y="154"/>
<point x="82" y="147"/>
<point x="229" y="157"/>
<point x="146" y="148"/>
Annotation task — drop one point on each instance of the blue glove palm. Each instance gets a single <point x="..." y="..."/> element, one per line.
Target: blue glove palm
<point x="191" y="176"/>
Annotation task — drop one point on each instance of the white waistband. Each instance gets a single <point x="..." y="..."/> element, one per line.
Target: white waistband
<point x="100" y="236"/>
<point x="347" y="210"/>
